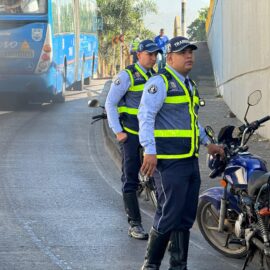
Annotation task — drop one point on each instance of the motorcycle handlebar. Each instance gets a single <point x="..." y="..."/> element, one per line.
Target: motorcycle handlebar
<point x="254" y="125"/>
<point x="100" y="116"/>
<point x="250" y="128"/>
<point x="264" y="119"/>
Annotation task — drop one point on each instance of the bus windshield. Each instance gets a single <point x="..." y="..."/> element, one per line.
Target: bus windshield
<point x="23" y="6"/>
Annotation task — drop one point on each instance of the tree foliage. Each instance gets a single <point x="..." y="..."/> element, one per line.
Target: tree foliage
<point x="196" y="30"/>
<point x="122" y="17"/>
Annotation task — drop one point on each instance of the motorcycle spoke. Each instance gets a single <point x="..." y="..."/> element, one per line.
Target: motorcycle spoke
<point x="227" y="241"/>
<point x="211" y="228"/>
<point x="214" y="215"/>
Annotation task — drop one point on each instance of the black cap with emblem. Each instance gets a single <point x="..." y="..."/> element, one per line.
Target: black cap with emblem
<point x="178" y="44"/>
<point x="148" y="46"/>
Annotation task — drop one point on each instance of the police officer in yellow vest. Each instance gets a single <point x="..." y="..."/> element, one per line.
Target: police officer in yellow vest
<point x="170" y="134"/>
<point x="134" y="48"/>
<point x="122" y="107"/>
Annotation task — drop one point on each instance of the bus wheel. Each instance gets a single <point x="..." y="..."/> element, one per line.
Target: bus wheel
<point x="87" y="81"/>
<point x="60" y="97"/>
<point x="78" y="86"/>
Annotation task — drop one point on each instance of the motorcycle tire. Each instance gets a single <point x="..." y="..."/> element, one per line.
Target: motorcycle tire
<point x="207" y="219"/>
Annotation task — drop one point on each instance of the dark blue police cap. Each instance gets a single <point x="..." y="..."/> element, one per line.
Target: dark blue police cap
<point x="178" y="44"/>
<point x="148" y="46"/>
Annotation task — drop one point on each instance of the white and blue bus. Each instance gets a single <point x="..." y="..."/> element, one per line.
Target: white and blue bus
<point x="46" y="47"/>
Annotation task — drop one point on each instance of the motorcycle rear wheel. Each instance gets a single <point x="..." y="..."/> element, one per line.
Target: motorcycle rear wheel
<point x="207" y="218"/>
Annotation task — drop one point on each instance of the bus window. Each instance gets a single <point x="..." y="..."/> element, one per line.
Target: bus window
<point x="22" y="6"/>
<point x="85" y="16"/>
<point x="55" y="17"/>
<point x="66" y="16"/>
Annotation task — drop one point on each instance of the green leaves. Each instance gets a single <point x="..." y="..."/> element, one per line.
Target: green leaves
<point x="122" y="17"/>
<point x="196" y="30"/>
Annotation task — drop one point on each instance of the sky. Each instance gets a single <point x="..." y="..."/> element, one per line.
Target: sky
<point x="168" y="9"/>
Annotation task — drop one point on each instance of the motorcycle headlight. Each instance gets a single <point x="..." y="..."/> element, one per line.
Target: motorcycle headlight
<point x="215" y="164"/>
<point x="210" y="161"/>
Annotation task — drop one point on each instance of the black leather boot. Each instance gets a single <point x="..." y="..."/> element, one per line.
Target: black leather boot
<point x="156" y="248"/>
<point x="178" y="249"/>
<point x="134" y="216"/>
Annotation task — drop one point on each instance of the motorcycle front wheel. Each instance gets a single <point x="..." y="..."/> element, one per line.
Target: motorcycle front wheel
<point x="224" y="242"/>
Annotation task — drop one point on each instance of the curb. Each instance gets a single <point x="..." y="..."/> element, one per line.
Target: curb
<point x="73" y="92"/>
<point x="112" y="145"/>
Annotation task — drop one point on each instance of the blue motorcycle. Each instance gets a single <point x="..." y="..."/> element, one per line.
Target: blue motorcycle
<point x="235" y="218"/>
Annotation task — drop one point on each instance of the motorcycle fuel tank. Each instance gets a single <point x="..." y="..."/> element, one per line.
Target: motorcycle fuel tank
<point x="242" y="166"/>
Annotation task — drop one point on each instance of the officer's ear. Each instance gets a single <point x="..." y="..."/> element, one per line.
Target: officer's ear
<point x="169" y="57"/>
<point x="139" y="55"/>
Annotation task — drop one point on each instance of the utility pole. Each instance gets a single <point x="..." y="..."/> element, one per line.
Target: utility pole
<point x="183" y="17"/>
<point x="177" y="27"/>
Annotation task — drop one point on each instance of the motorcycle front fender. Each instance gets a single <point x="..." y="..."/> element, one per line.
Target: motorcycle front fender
<point x="214" y="196"/>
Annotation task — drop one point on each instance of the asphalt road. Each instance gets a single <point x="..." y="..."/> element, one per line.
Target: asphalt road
<point x="60" y="203"/>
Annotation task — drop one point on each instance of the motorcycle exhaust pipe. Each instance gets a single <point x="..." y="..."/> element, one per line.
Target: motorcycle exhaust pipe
<point x="260" y="245"/>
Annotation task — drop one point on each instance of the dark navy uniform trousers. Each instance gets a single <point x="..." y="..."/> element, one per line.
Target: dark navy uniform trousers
<point x="131" y="163"/>
<point x="178" y="184"/>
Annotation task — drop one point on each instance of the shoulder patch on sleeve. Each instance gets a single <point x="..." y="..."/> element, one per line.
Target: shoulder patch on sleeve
<point x="117" y="81"/>
<point x="152" y="89"/>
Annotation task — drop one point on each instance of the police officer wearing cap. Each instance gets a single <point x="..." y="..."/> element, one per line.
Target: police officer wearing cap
<point x="122" y="107"/>
<point x="170" y="134"/>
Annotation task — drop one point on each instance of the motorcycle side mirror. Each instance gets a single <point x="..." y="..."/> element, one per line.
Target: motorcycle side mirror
<point x="93" y="103"/>
<point x="210" y="133"/>
<point x="253" y="99"/>
<point x="202" y="102"/>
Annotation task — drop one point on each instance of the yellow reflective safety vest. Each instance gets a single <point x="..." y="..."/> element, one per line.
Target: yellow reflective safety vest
<point x="176" y="126"/>
<point x="129" y="104"/>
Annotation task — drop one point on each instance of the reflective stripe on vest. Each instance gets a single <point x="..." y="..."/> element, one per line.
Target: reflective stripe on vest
<point x="169" y="140"/>
<point x="173" y="133"/>
<point x="128" y="106"/>
<point x="176" y="156"/>
<point x="131" y="111"/>
<point x="130" y="130"/>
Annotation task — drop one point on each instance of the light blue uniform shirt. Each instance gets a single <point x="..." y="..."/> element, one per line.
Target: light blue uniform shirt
<point x="118" y="89"/>
<point x="150" y="105"/>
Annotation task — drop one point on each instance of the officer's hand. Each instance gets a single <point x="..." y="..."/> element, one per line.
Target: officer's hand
<point x="121" y="136"/>
<point x="149" y="165"/>
<point x="214" y="149"/>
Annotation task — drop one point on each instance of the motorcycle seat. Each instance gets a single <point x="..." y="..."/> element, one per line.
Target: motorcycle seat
<point x="256" y="180"/>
